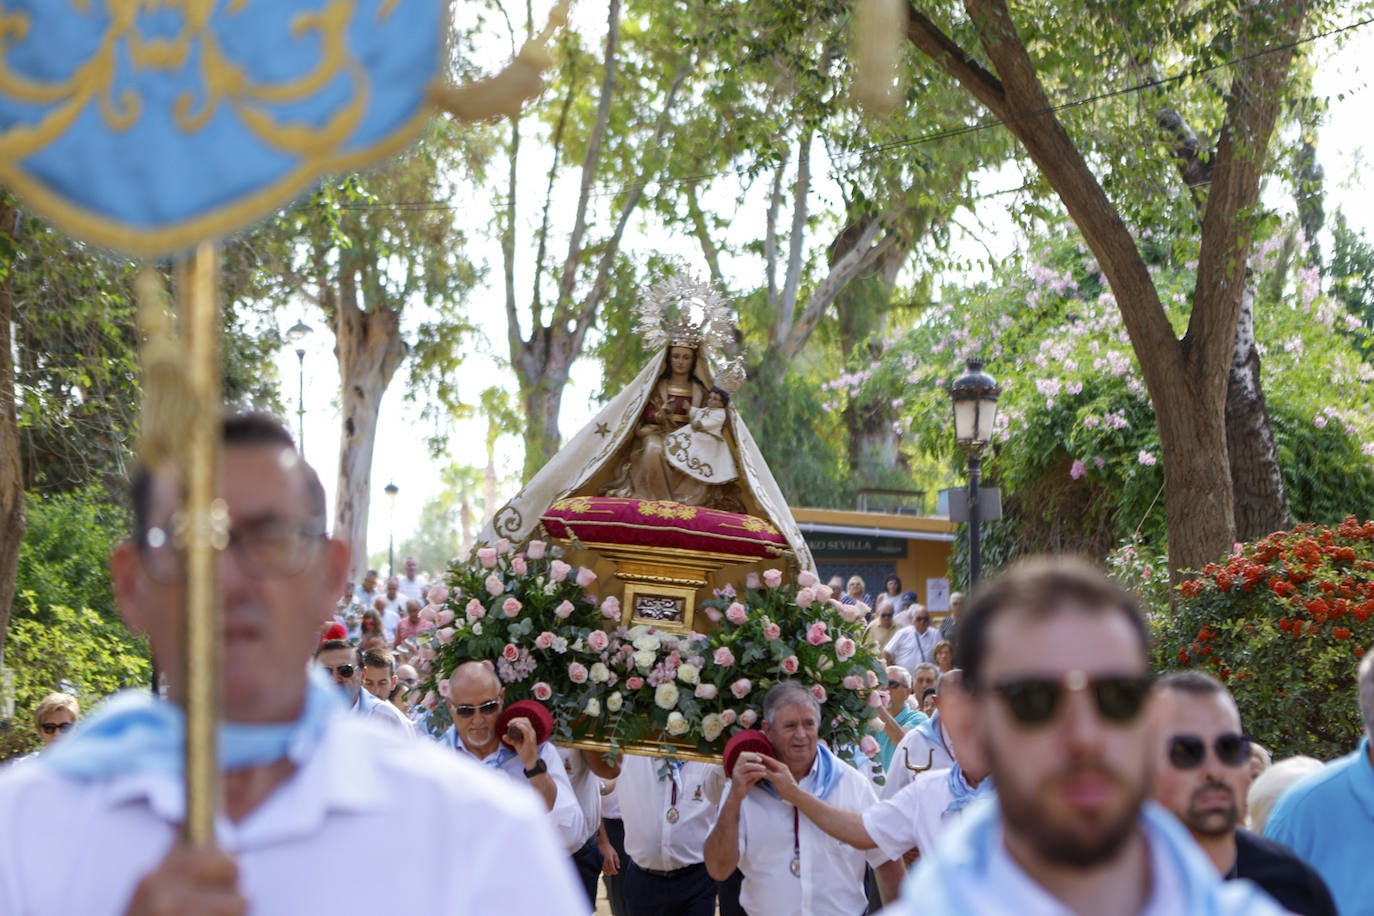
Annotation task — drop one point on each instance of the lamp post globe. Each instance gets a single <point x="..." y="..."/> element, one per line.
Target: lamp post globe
<point x="974" y="395"/>
<point x="297" y="334"/>
<point x="391" y="490"/>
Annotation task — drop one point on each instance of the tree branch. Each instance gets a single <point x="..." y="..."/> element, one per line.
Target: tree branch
<point x="800" y="191"/>
<point x="709" y="250"/>
<point x="857" y="259"/>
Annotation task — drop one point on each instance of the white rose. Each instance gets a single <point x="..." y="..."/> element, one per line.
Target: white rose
<point x="677" y="722"/>
<point x="593" y="707"/>
<point x="644" y="660"/>
<point x="665" y="696"/>
<point x="599" y="673"/>
<point x="560" y="644"/>
<point x="688" y="674"/>
<point x="711" y="727"/>
<point x="477" y="628"/>
<point x="649" y="642"/>
<point x="615" y="701"/>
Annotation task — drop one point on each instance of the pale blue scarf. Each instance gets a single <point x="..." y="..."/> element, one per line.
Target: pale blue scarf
<point x="135" y="732"/>
<point x="964" y="793"/>
<point x="827" y="774"/>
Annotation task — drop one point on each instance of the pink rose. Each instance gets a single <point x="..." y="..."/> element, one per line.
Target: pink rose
<point x="535" y="551"/>
<point x="585" y="577"/>
<point x="494" y="585"/>
<point x="543" y="640"/>
<point x="444" y="688"/>
<point x="816" y="635"/>
<point x="771" y="631"/>
<point x="868" y="746"/>
<point x="751" y="580"/>
<point x="806" y="579"/>
<point x="510" y="653"/>
<point x="427" y="613"/>
<point x="728" y="717"/>
<point x="724" y="657"/>
<point x="805" y="598"/>
<point x="748" y="718"/>
<point x="871" y="678"/>
<point x="706" y="691"/>
<point x="634" y="683"/>
<point x="444" y="635"/>
<point x="741" y="688"/>
<point x="852" y="612"/>
<point x="818" y="692"/>
<point x="475" y="610"/>
<point x="541" y="691"/>
<point x="772" y="577"/>
<point x="564" y="610"/>
<point x="511" y="606"/>
<point x="438" y="595"/>
<point x="502" y="545"/>
<point x="443" y="618"/>
<point x="424" y="668"/>
<point x="823" y="593"/>
<point x="853" y="682"/>
<point x="845" y="648"/>
<point x="517" y="566"/>
<point x="713" y="614"/>
<point x="598" y="640"/>
<point x="577" y="673"/>
<point x="430" y="701"/>
<point x="427" y="653"/>
<point x="487" y="557"/>
<point x="790" y="664"/>
<point x="736" y="614"/>
<point x="558" y="571"/>
<point x="878" y="698"/>
<point x="610" y="608"/>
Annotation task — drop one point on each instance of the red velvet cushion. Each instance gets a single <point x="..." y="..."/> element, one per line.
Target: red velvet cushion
<point x="656" y="523"/>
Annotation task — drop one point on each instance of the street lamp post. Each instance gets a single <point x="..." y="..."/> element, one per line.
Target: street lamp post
<point x="975" y="407"/>
<point x="297" y="334"/>
<point x="391" y="490"/>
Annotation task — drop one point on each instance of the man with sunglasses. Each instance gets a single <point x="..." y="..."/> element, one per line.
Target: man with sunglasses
<point x="1203" y="778"/>
<point x="1056" y="662"/>
<point x="302" y="780"/>
<point x="346" y="665"/>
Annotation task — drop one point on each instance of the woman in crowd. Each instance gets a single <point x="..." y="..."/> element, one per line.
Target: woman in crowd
<point x="943" y="655"/>
<point x="55" y="715"/>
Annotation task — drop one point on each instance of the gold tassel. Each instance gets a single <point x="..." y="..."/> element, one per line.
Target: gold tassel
<point x="879" y="37"/>
<point x="168" y="405"/>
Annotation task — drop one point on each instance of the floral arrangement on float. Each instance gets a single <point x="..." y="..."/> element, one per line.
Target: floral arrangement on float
<point x="626" y="688"/>
<point x="1284" y="621"/>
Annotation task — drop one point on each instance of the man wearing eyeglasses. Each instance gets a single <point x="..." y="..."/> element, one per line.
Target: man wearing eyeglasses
<point x="301" y="779"/>
<point x="1056" y="662"/>
<point x="913" y="645"/>
<point x="1203" y="778"/>
<point x="475" y="699"/>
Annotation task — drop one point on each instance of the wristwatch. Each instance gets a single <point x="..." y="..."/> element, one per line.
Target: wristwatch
<point x="539" y="767"/>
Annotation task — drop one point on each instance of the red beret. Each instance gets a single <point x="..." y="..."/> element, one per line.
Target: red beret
<point x="536" y="712"/>
<point x="336" y="630"/>
<point x="751" y="739"/>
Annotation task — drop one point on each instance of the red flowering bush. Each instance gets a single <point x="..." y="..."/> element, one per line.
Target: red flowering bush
<point x="1284" y="622"/>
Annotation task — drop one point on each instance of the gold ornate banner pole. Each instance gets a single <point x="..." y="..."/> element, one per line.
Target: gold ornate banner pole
<point x="206" y="533"/>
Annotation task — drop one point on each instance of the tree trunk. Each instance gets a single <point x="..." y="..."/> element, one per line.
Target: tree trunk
<point x="369" y="350"/>
<point x="12" y="518"/>
<point x="1261" y="502"/>
<point x="541" y="396"/>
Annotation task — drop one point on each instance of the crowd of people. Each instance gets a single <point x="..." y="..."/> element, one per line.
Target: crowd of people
<point x="1051" y="772"/>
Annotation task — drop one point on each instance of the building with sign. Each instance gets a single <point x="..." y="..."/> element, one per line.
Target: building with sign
<point x="874" y="545"/>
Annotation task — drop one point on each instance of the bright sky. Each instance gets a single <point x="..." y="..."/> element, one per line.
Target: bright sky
<point x="400" y="454"/>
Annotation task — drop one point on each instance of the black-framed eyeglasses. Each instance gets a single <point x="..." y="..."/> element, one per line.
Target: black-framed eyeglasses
<point x="1188" y="751"/>
<point x="343" y="671"/>
<point x="265" y="548"/>
<point x="487" y="709"/>
<point x="1035" y="701"/>
<point x="921" y="619"/>
<point x="52" y="728"/>
<point x="893" y="685"/>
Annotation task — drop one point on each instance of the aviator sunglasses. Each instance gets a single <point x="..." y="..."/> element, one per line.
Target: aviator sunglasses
<point x="1188" y="751"/>
<point x="1035" y="701"/>
<point x="343" y="671"/>
<point x="487" y="709"/>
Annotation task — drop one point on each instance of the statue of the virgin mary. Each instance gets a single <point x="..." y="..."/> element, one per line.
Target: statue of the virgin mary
<point x="624" y="450"/>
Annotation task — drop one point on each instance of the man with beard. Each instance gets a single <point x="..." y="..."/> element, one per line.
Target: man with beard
<point x="1055" y="658"/>
<point x="1203" y="777"/>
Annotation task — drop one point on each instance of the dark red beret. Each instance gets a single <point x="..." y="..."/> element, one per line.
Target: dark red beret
<point x="536" y="712"/>
<point x="751" y="739"/>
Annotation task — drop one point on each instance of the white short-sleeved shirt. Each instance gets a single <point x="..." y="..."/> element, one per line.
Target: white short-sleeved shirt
<point x="586" y="787"/>
<point x="356" y="783"/>
<point x="917" y="747"/>
<point x="909" y="648"/>
<point x="653" y="841"/>
<point x="566" y="816"/>
<point x="370" y="707"/>
<point x="832" y="872"/>
<point x="913" y="817"/>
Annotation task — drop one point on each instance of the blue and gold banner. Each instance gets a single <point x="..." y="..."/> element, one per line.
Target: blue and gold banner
<point x="145" y="126"/>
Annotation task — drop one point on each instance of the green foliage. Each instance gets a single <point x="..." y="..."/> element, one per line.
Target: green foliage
<point x="76" y="651"/>
<point x="1284" y="622"/>
<point x="64" y="558"/>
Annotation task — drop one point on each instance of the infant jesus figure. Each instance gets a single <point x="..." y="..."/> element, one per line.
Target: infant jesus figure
<point x="699" y="449"/>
